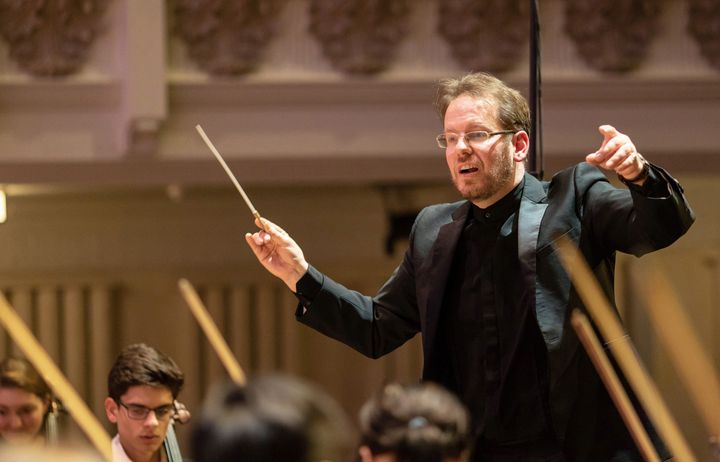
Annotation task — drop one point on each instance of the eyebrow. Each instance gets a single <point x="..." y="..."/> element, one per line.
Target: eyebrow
<point x="473" y="127"/>
<point x="148" y="407"/>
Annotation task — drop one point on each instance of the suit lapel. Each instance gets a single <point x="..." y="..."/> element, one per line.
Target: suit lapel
<point x="532" y="210"/>
<point x="439" y="266"/>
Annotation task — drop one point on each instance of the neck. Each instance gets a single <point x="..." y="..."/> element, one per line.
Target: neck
<point x="154" y="457"/>
<point x="502" y="192"/>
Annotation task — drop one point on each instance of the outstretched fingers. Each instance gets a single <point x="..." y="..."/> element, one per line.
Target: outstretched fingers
<point x="613" y="150"/>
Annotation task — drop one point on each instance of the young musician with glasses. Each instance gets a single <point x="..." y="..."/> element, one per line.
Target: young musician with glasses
<point x="483" y="285"/>
<point x="142" y="387"/>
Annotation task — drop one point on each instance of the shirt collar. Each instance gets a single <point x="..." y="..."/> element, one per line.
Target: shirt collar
<point x="119" y="454"/>
<point x="500" y="210"/>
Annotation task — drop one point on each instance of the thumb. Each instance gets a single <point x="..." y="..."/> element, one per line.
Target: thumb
<point x="270" y="228"/>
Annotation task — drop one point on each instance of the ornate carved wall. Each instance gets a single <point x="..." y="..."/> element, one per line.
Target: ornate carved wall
<point x="612" y="36"/>
<point x="226" y="37"/>
<point x="485" y="35"/>
<point x="704" y="26"/>
<point x="50" y="38"/>
<point x="359" y="36"/>
<point x="351" y="82"/>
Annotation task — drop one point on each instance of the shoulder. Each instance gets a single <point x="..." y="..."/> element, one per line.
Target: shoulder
<point x="577" y="179"/>
<point x="436" y="215"/>
<point x="429" y="222"/>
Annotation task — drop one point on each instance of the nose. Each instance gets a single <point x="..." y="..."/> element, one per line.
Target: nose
<point x="462" y="145"/>
<point x="151" y="420"/>
<point x="14" y="422"/>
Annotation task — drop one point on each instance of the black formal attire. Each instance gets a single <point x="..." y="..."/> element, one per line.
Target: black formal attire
<point x="488" y="293"/>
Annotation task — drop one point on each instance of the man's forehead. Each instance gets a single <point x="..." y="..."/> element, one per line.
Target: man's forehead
<point x="148" y="395"/>
<point x="471" y="110"/>
<point x="467" y="101"/>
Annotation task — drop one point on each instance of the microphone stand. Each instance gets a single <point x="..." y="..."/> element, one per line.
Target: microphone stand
<point x="535" y="154"/>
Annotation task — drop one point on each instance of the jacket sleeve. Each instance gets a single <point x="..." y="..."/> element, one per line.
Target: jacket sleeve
<point x="637" y="220"/>
<point x="374" y="326"/>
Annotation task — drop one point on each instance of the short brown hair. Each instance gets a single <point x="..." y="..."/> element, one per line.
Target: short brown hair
<point x="512" y="107"/>
<point x="416" y="423"/>
<point x="141" y="364"/>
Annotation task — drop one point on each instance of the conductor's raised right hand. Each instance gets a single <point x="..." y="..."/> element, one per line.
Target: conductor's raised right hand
<point x="278" y="252"/>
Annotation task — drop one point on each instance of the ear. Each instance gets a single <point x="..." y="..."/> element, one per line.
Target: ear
<point x="111" y="409"/>
<point x="365" y="454"/>
<point x="46" y="404"/>
<point x="521" y="143"/>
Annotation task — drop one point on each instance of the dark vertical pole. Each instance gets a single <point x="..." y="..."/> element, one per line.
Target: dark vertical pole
<point x="535" y="155"/>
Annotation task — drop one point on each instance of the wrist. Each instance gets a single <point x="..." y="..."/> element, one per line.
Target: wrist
<point x="297" y="274"/>
<point x="640" y="177"/>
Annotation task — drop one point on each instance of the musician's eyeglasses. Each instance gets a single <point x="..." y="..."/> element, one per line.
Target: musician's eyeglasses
<point x="138" y="412"/>
<point x="474" y="139"/>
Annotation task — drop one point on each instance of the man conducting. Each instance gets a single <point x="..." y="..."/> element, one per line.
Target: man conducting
<point x="482" y="282"/>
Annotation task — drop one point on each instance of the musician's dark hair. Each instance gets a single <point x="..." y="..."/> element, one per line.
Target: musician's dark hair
<point x="512" y="107"/>
<point x="415" y="423"/>
<point x="272" y="418"/>
<point x="140" y="364"/>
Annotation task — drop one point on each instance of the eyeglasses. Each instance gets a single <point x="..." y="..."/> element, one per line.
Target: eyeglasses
<point x="138" y="412"/>
<point x="474" y="139"/>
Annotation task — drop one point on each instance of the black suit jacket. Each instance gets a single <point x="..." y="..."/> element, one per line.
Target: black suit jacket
<point x="578" y="203"/>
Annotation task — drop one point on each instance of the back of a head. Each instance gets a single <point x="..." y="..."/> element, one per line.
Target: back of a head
<point x="416" y="423"/>
<point x="140" y="364"/>
<point x="272" y="418"/>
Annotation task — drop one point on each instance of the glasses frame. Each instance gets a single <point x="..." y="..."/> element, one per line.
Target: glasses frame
<point x="442" y="138"/>
<point x="158" y="411"/>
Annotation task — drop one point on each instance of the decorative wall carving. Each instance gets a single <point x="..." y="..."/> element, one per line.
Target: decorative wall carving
<point x="226" y="37"/>
<point x="359" y="36"/>
<point x="50" y="37"/>
<point x="485" y="35"/>
<point x="704" y="27"/>
<point x="611" y="35"/>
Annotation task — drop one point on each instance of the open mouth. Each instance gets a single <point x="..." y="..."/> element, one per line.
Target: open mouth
<point x="467" y="170"/>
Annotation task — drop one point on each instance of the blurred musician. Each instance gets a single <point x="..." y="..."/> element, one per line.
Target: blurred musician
<point x="271" y="419"/>
<point x="27" y="410"/>
<point x="416" y="423"/>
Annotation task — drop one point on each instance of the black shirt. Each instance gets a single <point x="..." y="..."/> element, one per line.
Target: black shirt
<point x="489" y="332"/>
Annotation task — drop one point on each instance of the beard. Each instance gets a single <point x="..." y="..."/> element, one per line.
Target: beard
<point x="500" y="174"/>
